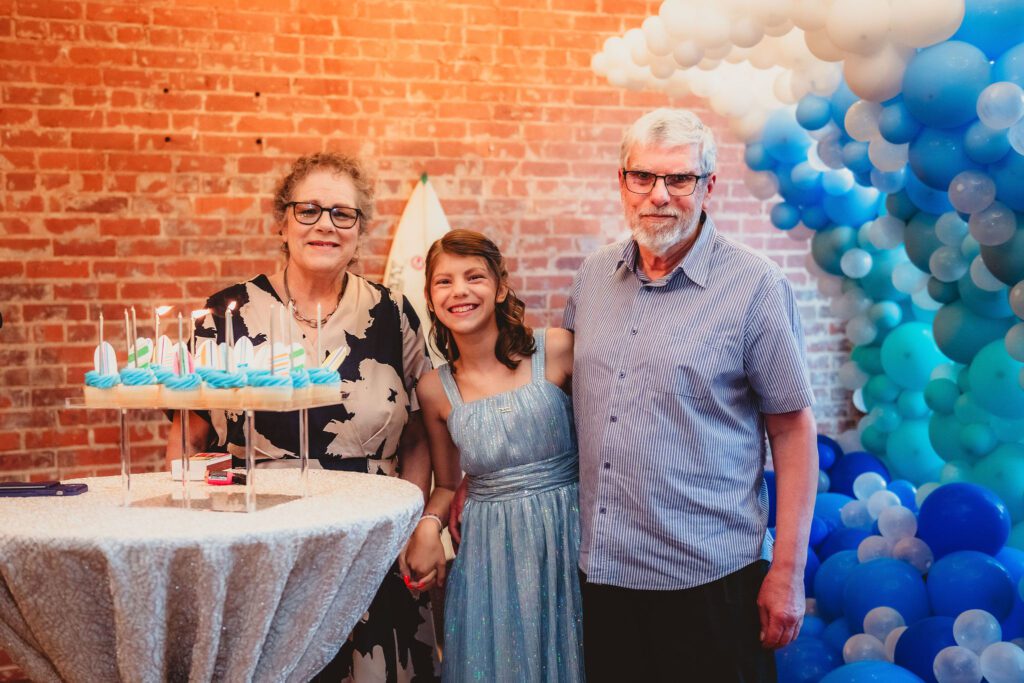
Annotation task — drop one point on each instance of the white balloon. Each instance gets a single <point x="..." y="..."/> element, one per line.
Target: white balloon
<point x="880" y="500"/>
<point x="874" y="547"/>
<point x="800" y="233"/>
<point x="947" y="264"/>
<point x="663" y="67"/>
<point x="719" y="53"/>
<point x="1016" y="137"/>
<point x="860" y="330"/>
<point x="856" y="263"/>
<point x="778" y="30"/>
<point x="951" y="229"/>
<point x="855" y="514"/>
<point x="599" y="63"/>
<point x="773" y="13"/>
<point x="881" y="621"/>
<point x="852" y="377"/>
<point x="762" y="184"/>
<point x="907" y="278"/>
<point x="994" y="225"/>
<point x="897" y="522"/>
<point x="678" y="18"/>
<point x="1014" y="342"/>
<point x="956" y="664"/>
<point x="1017" y="299"/>
<point x="687" y="53"/>
<point x="1001" y="105"/>
<point x="1003" y="663"/>
<point x="783" y="88"/>
<point x="637" y="45"/>
<point x="830" y="151"/>
<point x="859" y="26"/>
<point x="861" y="647"/>
<point x="971" y="191"/>
<point x="877" y="77"/>
<point x="886" y="156"/>
<point x="746" y="32"/>
<point x="678" y="85"/>
<point x="822" y="47"/>
<point x="824" y="77"/>
<point x="914" y="552"/>
<point x="810" y="15"/>
<point x="976" y="629"/>
<point x="891" y="640"/>
<point x="708" y="64"/>
<point x="923" y="300"/>
<point x="920" y="23"/>
<point x="983" y="277"/>
<point x="862" y="120"/>
<point x="656" y="35"/>
<point x="714" y="26"/>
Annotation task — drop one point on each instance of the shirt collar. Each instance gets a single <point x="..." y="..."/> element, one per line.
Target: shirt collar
<point x="696" y="264"/>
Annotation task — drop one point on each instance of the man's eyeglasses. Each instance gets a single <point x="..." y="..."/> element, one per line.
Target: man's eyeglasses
<point x="676" y="184"/>
<point x="308" y="213"/>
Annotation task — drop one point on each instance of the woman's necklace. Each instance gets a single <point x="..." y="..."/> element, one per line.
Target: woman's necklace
<point x="312" y="322"/>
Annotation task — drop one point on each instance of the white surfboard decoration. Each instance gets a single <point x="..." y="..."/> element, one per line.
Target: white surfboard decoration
<point x="422" y="222"/>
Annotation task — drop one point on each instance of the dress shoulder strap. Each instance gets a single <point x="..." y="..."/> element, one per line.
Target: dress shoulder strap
<point x="537" y="361"/>
<point x="451" y="389"/>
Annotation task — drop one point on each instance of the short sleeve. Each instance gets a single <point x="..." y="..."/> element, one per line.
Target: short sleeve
<point x="774" y="353"/>
<point x="415" y="360"/>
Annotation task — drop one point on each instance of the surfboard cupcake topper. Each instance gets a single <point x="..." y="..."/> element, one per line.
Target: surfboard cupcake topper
<point x="336" y="357"/>
<point x="243" y="352"/>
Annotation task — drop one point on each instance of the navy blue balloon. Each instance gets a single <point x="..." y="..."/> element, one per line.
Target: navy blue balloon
<point x="851" y="466"/>
<point x="897" y="125"/>
<point x="819" y="530"/>
<point x="1013" y="560"/>
<point x="784" y="139"/>
<point x="938" y="155"/>
<point x="829" y="581"/>
<point x="757" y="158"/>
<point x="827" y="506"/>
<point x="963" y="516"/>
<point x="810" y="569"/>
<point x="805" y="660"/>
<point x="917" y="647"/>
<point x="840" y="540"/>
<point x="942" y="83"/>
<point x="985" y="145"/>
<point x="906" y="492"/>
<point x="968" y="579"/>
<point x="769" y="484"/>
<point x="829" y="451"/>
<point x="884" y="582"/>
<point x="993" y="25"/>
<point x="870" y="671"/>
<point x="813" y="111"/>
<point x="1008" y="175"/>
<point x="1010" y="66"/>
<point x="927" y="198"/>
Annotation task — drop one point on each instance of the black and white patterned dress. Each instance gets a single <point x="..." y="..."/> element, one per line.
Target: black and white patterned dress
<point x="394" y="642"/>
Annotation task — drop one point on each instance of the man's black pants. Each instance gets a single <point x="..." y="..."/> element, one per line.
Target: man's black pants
<point x="706" y="634"/>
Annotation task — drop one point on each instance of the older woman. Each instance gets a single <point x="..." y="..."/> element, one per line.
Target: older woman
<point x="322" y="207"/>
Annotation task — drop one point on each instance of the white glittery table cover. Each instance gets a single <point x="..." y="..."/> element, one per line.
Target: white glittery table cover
<point x="92" y="591"/>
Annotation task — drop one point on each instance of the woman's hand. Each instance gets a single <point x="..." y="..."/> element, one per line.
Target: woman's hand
<point x="422" y="562"/>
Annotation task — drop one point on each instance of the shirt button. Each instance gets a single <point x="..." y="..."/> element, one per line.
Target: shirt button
<point x="622" y="373"/>
<point x="614" y="418"/>
<point x="633" y="331"/>
<point x="607" y="465"/>
<point x="603" y="510"/>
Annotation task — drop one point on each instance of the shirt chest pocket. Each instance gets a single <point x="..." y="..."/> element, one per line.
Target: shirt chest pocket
<point x="686" y="367"/>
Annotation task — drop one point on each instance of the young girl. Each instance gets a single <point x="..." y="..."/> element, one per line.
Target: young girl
<point x="499" y="410"/>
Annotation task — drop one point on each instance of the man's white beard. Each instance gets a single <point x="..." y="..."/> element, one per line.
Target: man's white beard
<point x="663" y="241"/>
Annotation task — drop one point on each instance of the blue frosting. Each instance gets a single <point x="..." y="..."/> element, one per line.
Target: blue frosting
<point x="95" y="379"/>
<point x="162" y="374"/>
<point x="300" y="379"/>
<point x="324" y="376"/>
<point x="137" y="377"/>
<point x="220" y="379"/>
<point x="205" y="372"/>
<point x="268" y="380"/>
<point x="183" y="382"/>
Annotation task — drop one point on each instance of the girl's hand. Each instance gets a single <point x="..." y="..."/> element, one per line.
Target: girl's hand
<point x="424" y="562"/>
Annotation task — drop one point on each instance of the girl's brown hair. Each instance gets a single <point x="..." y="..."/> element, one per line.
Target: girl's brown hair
<point x="515" y="338"/>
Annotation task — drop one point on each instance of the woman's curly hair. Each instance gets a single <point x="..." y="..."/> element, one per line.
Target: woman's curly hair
<point x="515" y="338"/>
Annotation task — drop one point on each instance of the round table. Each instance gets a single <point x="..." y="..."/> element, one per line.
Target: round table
<point x="93" y="591"/>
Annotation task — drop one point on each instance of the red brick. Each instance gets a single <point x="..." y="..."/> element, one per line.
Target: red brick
<point x="50" y="9"/>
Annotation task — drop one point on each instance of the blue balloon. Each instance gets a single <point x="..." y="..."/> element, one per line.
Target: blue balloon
<point x="917" y="647"/>
<point x="942" y="83"/>
<point x="819" y="530"/>
<point x="982" y="301"/>
<point x="1010" y="66"/>
<point x="785" y="216"/>
<point x="1013" y="560"/>
<point x="757" y="158"/>
<point x="985" y="145"/>
<point x="960" y="333"/>
<point x="856" y="207"/>
<point x="828" y="247"/>
<point x="837" y="633"/>
<point x="829" y="451"/>
<point x="841" y="100"/>
<point x="938" y="155"/>
<point x="837" y="182"/>
<point x="970" y="580"/>
<point x="963" y="516"/>
<point x="805" y="177"/>
<point x="1008" y="175"/>
<point x="851" y="466"/>
<point x="827" y="506"/>
<point x="814" y="217"/>
<point x="810" y="569"/>
<point x="927" y="198"/>
<point x="813" y="112"/>
<point x="993" y="25"/>
<point x="784" y="139"/>
<point x="900" y="205"/>
<point x="801" y="195"/>
<point x="884" y="582"/>
<point x="906" y="492"/>
<point x="888" y="182"/>
<point x="855" y="157"/>
<point x="870" y="671"/>
<point x="805" y="660"/>
<point x="769" y="484"/>
<point x="812" y="627"/>
<point x="829" y="582"/>
<point x="878" y="282"/>
<point x="839" y="540"/>
<point x="1006" y="261"/>
<point x="897" y="125"/>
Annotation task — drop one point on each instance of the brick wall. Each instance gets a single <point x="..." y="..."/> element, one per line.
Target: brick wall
<point x="140" y="140"/>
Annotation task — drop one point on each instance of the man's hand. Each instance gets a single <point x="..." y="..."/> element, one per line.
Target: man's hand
<point x="781" y="604"/>
<point x="455" y="513"/>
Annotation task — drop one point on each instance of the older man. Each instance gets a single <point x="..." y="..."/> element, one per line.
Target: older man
<point x="689" y="351"/>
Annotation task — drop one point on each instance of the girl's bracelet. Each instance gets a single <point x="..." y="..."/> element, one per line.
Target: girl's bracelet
<point x="440" y="524"/>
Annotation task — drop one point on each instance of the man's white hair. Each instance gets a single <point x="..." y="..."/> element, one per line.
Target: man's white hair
<point x="671" y="128"/>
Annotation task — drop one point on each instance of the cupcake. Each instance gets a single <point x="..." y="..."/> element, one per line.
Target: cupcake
<point x="302" y="388"/>
<point x="101" y="389"/>
<point x="223" y="389"/>
<point x="182" y="391"/>
<point x="139" y="388"/>
<point x="326" y="385"/>
<point x="268" y="391"/>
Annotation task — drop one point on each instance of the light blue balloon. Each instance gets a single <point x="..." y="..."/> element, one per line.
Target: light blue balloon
<point x="887" y="183"/>
<point x="805" y="177"/>
<point x="912" y="405"/>
<point x="993" y="25"/>
<point x="985" y="145"/>
<point x="856" y="207"/>
<point x="814" y="217"/>
<point x="927" y="198"/>
<point x="855" y="157"/>
<point x="1002" y="471"/>
<point x="938" y="155"/>
<point x="960" y="333"/>
<point x="813" y="111"/>
<point x="983" y="302"/>
<point x="1006" y="261"/>
<point x="885" y="314"/>
<point x="784" y="139"/>
<point x="757" y="158"/>
<point x="909" y="354"/>
<point x="837" y="182"/>
<point x="1010" y="66"/>
<point x="1008" y="175"/>
<point x="942" y="83"/>
<point x="841" y="100"/>
<point x="897" y="125"/>
<point x="994" y="374"/>
<point x="785" y="216"/>
<point x="910" y="454"/>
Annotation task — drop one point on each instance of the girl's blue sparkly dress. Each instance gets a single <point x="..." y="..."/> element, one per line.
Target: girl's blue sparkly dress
<point x="512" y="609"/>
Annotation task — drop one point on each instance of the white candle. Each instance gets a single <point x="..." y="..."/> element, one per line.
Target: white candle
<point x="273" y="313"/>
<point x="103" y="368"/>
<point x="291" y="366"/>
<point x="181" y="341"/>
<point x="135" y="336"/>
<point x="229" y="338"/>
<point x="319" y="355"/>
<point x="128" y="339"/>
<point x="196" y="315"/>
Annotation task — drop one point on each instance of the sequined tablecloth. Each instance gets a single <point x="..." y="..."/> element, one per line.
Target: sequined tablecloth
<point x="92" y="591"/>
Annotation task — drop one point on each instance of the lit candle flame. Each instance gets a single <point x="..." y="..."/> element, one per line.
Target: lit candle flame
<point x="231" y="306"/>
<point x="199" y="313"/>
<point x="160" y="310"/>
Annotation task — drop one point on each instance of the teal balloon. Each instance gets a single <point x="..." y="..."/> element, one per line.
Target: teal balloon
<point x="868" y="359"/>
<point x="977" y="440"/>
<point x="880" y="389"/>
<point x="1008" y="430"/>
<point x="943" y="292"/>
<point x="828" y="247"/>
<point x="909" y="355"/>
<point x="885" y="314"/>
<point x="1006" y="261"/>
<point x="994" y="381"/>
<point x="1008" y="174"/>
<point x="1016" y="540"/>
<point x="960" y="333"/>
<point x="912" y="404"/>
<point x="900" y="205"/>
<point x="920" y="240"/>
<point x="887" y="417"/>
<point x="910" y="454"/>
<point x="1002" y="471"/>
<point x="963" y="379"/>
<point x="941" y="395"/>
<point x="968" y="411"/>
<point x="983" y="302"/>
<point x="878" y="282"/>
<point x="874" y="439"/>
<point x="944" y="434"/>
